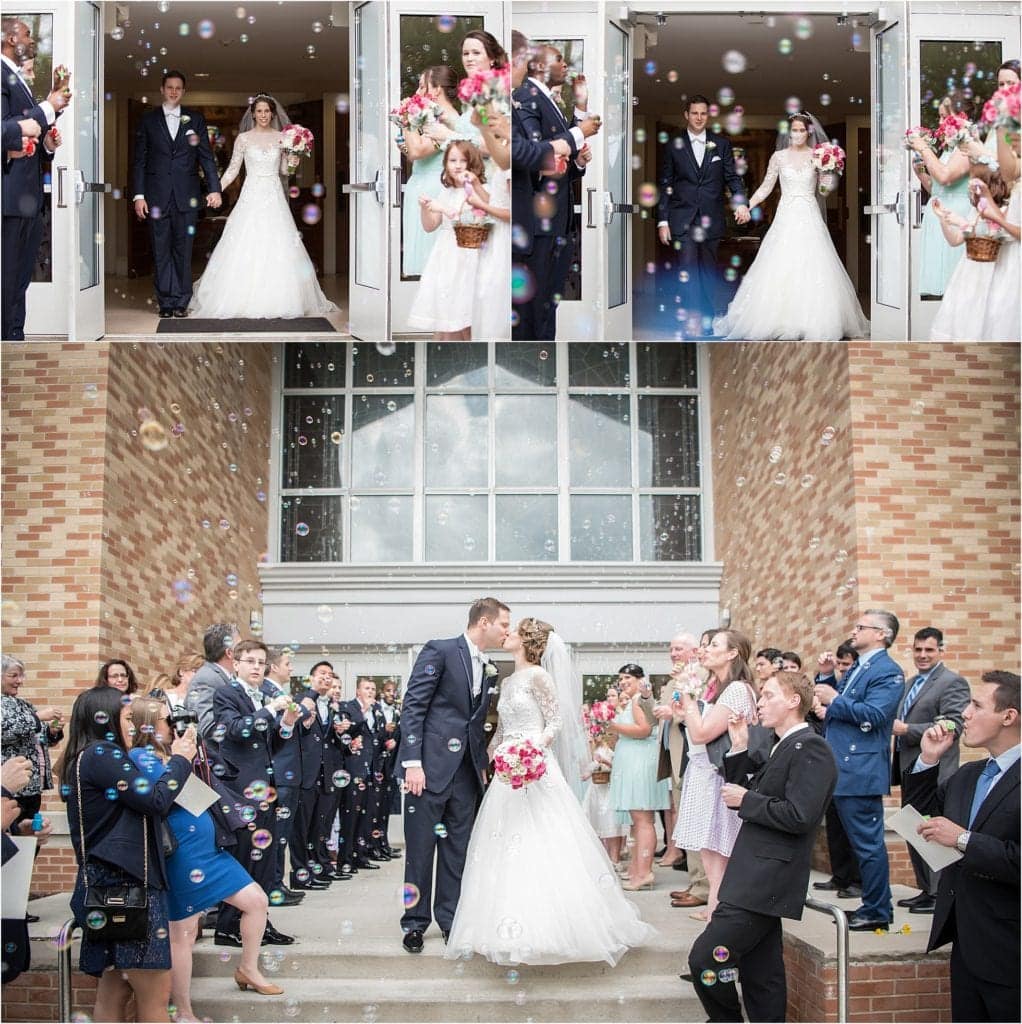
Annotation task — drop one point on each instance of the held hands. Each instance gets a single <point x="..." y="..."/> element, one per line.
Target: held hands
<point x="940" y="830"/>
<point x="738" y="730"/>
<point x="742" y="214"/>
<point x="415" y="781"/>
<point x="185" y="745"/>
<point x="732" y="795"/>
<point x="214" y="200"/>
<point x="936" y="742"/>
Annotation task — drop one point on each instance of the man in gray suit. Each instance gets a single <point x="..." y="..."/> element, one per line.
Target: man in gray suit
<point x="934" y="694"/>
<point x="218" y="643"/>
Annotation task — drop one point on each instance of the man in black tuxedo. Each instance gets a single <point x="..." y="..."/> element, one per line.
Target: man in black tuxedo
<point x="170" y="146"/>
<point x="697" y="164"/>
<point x="539" y="119"/>
<point x="976" y="811"/>
<point x="23" y="202"/>
<point x="359" y="762"/>
<point x="252" y="735"/>
<point x="443" y="761"/>
<point x="934" y="694"/>
<point x="390" y="802"/>
<point x="768" y="872"/>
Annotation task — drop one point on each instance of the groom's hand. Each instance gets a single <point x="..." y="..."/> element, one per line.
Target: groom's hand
<point x="213" y="200"/>
<point x="742" y="214"/>
<point x="141" y="209"/>
<point x="415" y="780"/>
<point x="664" y="234"/>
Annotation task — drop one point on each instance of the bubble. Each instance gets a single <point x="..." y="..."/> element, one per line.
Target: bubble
<point x="725" y="96"/>
<point x="95" y="919"/>
<point x="523" y="287"/>
<point x="918" y="408"/>
<point x="224" y="957"/>
<point x="153" y="436"/>
<point x="775" y="453"/>
<point x="729" y="973"/>
<point x="730" y="274"/>
<point x="650" y="68"/>
<point x="440" y="830"/>
<point x="341" y="778"/>
<point x="740" y="481"/>
<point x="292" y="1006"/>
<point x="446" y="22"/>
<point x="206" y="29"/>
<point x="302" y="876"/>
<point x="90" y="392"/>
<point x="649" y="194"/>
<point x="302" y="529"/>
<point x="325" y="613"/>
<point x="311" y="214"/>
<point x="708" y="978"/>
<point x="184" y="28"/>
<point x="141" y="785"/>
<point x="197" y="876"/>
<point x="721" y="953"/>
<point x="792" y="105"/>
<point x="827" y="436"/>
<point x="262" y="838"/>
<point x="454" y="745"/>
<point x="866" y="727"/>
<point x="317" y="27"/>
<point x="111" y="793"/>
<point x="101" y="717"/>
<point x="784" y="46"/>
<point x="733" y="62"/>
<point x="807" y="480"/>
<point x="781" y="479"/>
<point x="825" y="99"/>
<point x="512" y="977"/>
<point x="803" y="28"/>
<point x="841" y="556"/>
<point x="224" y="524"/>
<point x="409" y="895"/>
<point x="310" y="50"/>
<point x="243" y="38"/>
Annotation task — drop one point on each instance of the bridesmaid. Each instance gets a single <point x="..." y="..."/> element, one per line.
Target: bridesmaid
<point x="946" y="178"/>
<point x="424" y="151"/>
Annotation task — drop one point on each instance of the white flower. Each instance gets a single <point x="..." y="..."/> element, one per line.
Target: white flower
<point x="710" y="146"/>
<point x="489" y="670"/>
<point x="185" y="119"/>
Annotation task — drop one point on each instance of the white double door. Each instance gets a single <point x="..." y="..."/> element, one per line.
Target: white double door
<point x="67" y="300"/>
<point x="380" y="297"/>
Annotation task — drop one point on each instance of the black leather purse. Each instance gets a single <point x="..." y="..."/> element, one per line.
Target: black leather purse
<point x="115" y="913"/>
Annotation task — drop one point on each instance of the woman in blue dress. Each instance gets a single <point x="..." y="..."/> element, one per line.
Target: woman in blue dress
<point x="199" y="873"/>
<point x="945" y="177"/>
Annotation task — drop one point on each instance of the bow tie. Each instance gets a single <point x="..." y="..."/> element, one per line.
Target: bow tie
<point x="172" y="113"/>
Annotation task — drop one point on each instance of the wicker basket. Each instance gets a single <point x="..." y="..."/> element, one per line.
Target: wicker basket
<point x="600" y="778"/>
<point x="982" y="250"/>
<point x="471" y="236"/>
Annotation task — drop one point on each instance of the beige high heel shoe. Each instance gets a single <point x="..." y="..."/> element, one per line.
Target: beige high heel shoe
<point x="645" y="883"/>
<point x="243" y="982"/>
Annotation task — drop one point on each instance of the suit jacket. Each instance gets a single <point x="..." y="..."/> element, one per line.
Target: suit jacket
<point x="166" y="170"/>
<point x="977" y="896"/>
<point x="389" y="759"/>
<point x="769" y="866"/>
<point x="199" y="699"/>
<point x="541" y="121"/>
<point x="438" y="708"/>
<point x="17" y="949"/>
<point x="859" y="723"/>
<point x="689" y="191"/>
<point x="360" y="761"/>
<point x="251" y="737"/>
<point x="322" y="753"/>
<point x="287" y="762"/>
<point x="527" y="159"/>
<point x="22" y="178"/>
<point x="944" y="697"/>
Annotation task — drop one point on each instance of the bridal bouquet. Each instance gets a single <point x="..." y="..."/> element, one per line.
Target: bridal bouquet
<point x="296" y="141"/>
<point x="954" y="129"/>
<point x="596" y="718"/>
<point x="828" y="158"/>
<point x="519" y="763"/>
<point x="1002" y="109"/>
<point x="414" y="113"/>
<point x="920" y="132"/>
<point x="487" y="91"/>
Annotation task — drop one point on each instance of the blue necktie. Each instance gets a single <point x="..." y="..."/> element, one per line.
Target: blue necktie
<point x="849" y="676"/>
<point x="912" y="694"/>
<point x="983" y="784"/>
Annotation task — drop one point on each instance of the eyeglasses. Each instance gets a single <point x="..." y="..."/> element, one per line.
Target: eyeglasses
<point x="252" y="661"/>
<point x="117" y="675"/>
<point x="866" y="625"/>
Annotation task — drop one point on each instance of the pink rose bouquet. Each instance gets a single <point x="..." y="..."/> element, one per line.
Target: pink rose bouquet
<point x="487" y="91"/>
<point x="920" y="132"/>
<point x="1002" y="109"/>
<point x="296" y="141"/>
<point x="595" y="719"/>
<point x="519" y="763"/>
<point x="954" y="129"/>
<point x="414" y="113"/>
<point x="828" y="158"/>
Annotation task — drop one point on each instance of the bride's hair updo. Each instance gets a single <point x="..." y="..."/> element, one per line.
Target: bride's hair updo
<point x="534" y="634"/>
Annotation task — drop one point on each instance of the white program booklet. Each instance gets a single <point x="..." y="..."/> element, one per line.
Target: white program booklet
<point x="905" y="823"/>
<point x="195" y="796"/>
<point x="17" y="878"/>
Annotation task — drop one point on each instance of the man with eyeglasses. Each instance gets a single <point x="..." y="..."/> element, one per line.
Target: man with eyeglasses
<point x="858" y="725"/>
<point x="218" y="646"/>
<point x="250" y="734"/>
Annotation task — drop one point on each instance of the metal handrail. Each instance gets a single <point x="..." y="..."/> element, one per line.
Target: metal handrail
<point x="841" y="922"/>
<point x="64" y="940"/>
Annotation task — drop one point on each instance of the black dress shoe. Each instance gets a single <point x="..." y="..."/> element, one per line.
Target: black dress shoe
<point x="226" y="939"/>
<point x="31" y="918"/>
<point x="339" y="876"/>
<point x="365" y="865"/>
<point x="853" y="892"/>
<point x="378" y="857"/>
<point x="862" y="923"/>
<point x="392" y="854"/>
<point x="288" y="891"/>
<point x="413" y="941"/>
<point x="288" y="900"/>
<point x="911" y="901"/>
<point x="180" y="313"/>
<point x="349" y="869"/>
<point x="166" y="314"/>
<point x="926" y="906"/>
<point x="271" y="937"/>
<point x="829" y="886"/>
<point x="312" y="885"/>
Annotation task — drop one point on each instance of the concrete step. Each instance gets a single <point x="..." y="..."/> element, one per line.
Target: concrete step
<point x="623" y="996"/>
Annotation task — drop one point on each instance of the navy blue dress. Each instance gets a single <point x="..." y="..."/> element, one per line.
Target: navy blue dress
<point x="198" y="874"/>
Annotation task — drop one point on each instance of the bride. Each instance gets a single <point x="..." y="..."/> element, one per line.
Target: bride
<point x="797" y="287"/>
<point x="538" y="886"/>
<point x="259" y="268"/>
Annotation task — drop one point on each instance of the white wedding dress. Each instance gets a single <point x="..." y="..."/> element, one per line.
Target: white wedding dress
<point x="259" y="268"/>
<point x="538" y="886"/>
<point x="797" y="287"/>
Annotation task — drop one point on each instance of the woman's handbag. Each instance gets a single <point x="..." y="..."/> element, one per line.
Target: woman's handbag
<point x="115" y="913"/>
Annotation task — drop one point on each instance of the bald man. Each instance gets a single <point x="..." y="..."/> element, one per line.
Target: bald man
<point x="684" y="651"/>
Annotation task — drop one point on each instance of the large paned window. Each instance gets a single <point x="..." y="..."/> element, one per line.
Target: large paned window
<point x="404" y="452"/>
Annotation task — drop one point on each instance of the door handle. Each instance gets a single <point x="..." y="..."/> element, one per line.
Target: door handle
<point x="917" y="208"/>
<point x="83" y="187"/>
<point x="590" y="223"/>
<point x="895" y="208"/>
<point x="61" y="171"/>
<point x="398" y="194"/>
<point x="610" y="208"/>
<point x="376" y="186"/>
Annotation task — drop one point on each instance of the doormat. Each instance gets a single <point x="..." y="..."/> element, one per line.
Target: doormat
<point x="244" y="325"/>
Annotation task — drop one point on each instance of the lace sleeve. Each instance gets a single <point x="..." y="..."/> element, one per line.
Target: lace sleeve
<point x="236" y="160"/>
<point x="543" y="690"/>
<point x="498" y="738"/>
<point x="773" y="169"/>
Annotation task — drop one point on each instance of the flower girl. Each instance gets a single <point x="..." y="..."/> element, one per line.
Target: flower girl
<point x="443" y="303"/>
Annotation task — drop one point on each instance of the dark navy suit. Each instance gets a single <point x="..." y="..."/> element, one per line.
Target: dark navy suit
<point x="23" y="203"/>
<point x="166" y="174"/>
<point x="692" y="203"/>
<point x="538" y="120"/>
<point x="858" y="728"/>
<point x="357" y="799"/>
<point x="443" y="727"/>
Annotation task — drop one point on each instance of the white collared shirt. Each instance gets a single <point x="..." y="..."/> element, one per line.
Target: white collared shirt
<point x="172" y="115"/>
<point x="45" y="105"/>
<point x="476" y="657"/>
<point x="698" y="144"/>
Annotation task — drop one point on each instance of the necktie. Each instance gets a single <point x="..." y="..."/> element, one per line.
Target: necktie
<point x="983" y="784"/>
<point x="850" y="675"/>
<point x="912" y="694"/>
<point x="477" y="675"/>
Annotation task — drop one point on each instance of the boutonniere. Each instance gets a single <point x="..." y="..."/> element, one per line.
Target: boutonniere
<point x="185" y="119"/>
<point x="489" y="670"/>
<point x="711" y="146"/>
<point x="335" y="707"/>
<point x="516" y="105"/>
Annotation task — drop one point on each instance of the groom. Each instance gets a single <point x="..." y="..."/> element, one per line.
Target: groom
<point x="697" y="165"/>
<point x="170" y="146"/>
<point x="443" y="759"/>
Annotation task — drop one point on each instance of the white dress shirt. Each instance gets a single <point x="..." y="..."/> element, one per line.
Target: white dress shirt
<point x="698" y="144"/>
<point x="44" y="105"/>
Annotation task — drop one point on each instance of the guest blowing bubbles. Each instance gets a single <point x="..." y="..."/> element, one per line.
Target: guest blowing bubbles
<point x="117" y="809"/>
